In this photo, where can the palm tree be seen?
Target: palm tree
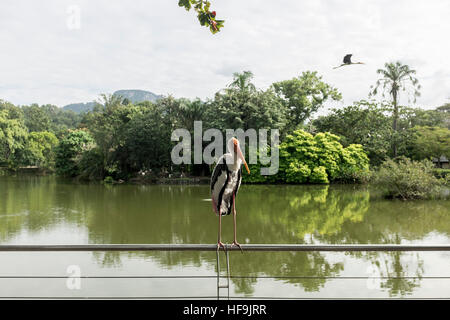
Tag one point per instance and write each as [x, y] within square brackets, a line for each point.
[395, 77]
[242, 81]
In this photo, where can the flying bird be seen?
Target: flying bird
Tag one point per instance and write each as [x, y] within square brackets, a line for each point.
[348, 61]
[225, 182]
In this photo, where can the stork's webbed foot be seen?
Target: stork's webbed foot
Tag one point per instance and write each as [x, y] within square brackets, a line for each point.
[235, 243]
[221, 245]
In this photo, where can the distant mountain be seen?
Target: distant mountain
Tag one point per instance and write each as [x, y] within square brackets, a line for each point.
[80, 107]
[134, 96]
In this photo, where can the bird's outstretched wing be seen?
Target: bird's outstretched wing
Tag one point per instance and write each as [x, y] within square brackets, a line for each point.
[348, 59]
[344, 64]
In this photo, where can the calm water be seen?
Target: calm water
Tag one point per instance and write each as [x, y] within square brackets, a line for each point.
[45, 210]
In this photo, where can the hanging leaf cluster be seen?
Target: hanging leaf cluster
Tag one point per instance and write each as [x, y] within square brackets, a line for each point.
[206, 17]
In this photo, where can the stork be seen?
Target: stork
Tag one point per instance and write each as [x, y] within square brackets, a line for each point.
[225, 182]
[348, 61]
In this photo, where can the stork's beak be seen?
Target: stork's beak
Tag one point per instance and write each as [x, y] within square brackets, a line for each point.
[240, 155]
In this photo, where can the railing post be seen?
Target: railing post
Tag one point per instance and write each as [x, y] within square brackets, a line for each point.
[219, 286]
[218, 274]
[228, 274]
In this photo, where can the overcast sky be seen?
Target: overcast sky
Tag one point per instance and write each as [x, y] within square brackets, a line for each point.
[155, 45]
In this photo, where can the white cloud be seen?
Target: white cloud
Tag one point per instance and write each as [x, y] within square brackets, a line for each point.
[157, 46]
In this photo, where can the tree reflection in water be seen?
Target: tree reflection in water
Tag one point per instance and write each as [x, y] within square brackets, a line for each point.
[267, 214]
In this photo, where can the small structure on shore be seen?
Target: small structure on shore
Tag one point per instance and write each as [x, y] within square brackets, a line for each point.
[441, 162]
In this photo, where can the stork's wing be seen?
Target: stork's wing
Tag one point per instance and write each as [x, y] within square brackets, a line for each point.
[239, 180]
[348, 59]
[340, 66]
[218, 170]
[218, 180]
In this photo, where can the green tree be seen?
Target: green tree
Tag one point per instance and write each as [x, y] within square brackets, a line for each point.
[70, 150]
[190, 111]
[170, 109]
[241, 105]
[444, 111]
[106, 124]
[430, 142]
[412, 117]
[407, 179]
[304, 95]
[242, 81]
[318, 159]
[36, 118]
[61, 120]
[362, 123]
[40, 149]
[13, 136]
[396, 77]
[147, 143]
[14, 112]
[305, 158]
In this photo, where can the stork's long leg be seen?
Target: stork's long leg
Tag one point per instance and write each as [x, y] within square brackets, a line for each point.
[219, 240]
[235, 243]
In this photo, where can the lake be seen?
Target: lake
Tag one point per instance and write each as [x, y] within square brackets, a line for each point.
[49, 210]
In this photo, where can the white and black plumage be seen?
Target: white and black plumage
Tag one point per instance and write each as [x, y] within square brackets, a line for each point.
[347, 61]
[225, 182]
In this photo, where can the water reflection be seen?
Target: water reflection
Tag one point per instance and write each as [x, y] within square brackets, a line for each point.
[266, 214]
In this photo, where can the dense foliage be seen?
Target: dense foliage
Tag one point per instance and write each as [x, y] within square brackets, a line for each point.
[422, 134]
[241, 105]
[363, 123]
[396, 77]
[13, 136]
[408, 179]
[29, 134]
[122, 140]
[303, 96]
[319, 159]
[40, 149]
[428, 142]
[71, 150]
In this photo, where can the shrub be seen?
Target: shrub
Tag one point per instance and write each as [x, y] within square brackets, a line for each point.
[319, 159]
[90, 165]
[441, 173]
[406, 179]
[108, 180]
[349, 174]
[40, 149]
[305, 158]
[70, 151]
[297, 172]
[319, 175]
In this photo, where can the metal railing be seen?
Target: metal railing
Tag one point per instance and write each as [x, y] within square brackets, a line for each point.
[213, 247]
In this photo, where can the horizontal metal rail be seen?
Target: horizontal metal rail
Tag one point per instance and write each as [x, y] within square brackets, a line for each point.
[213, 297]
[189, 277]
[213, 247]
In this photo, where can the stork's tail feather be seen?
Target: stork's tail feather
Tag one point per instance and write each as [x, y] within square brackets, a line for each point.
[214, 206]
